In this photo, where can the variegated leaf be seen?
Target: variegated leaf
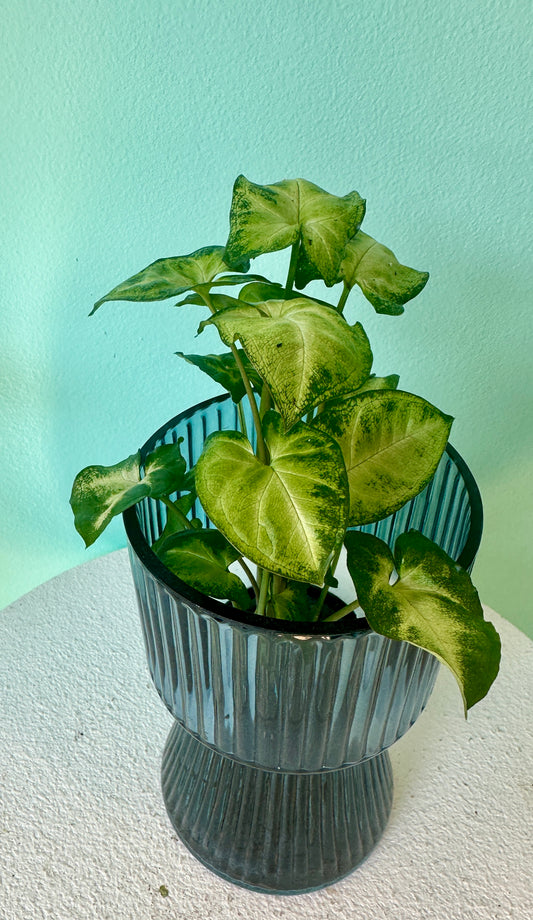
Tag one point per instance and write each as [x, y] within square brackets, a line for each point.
[101, 492]
[288, 516]
[172, 276]
[265, 218]
[432, 604]
[391, 442]
[303, 350]
[383, 280]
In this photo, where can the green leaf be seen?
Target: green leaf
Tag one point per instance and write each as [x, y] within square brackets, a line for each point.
[101, 492]
[171, 277]
[293, 603]
[174, 522]
[433, 605]
[383, 280]
[371, 383]
[304, 351]
[265, 218]
[258, 293]
[391, 442]
[193, 298]
[390, 382]
[231, 280]
[289, 516]
[201, 559]
[224, 371]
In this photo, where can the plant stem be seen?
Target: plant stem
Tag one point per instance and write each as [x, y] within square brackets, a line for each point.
[175, 510]
[242, 418]
[325, 589]
[263, 593]
[292, 266]
[250, 575]
[266, 401]
[339, 614]
[262, 453]
[343, 298]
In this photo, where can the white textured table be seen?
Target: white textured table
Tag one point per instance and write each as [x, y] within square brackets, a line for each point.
[83, 829]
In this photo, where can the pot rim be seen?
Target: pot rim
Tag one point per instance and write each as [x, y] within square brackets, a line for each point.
[204, 603]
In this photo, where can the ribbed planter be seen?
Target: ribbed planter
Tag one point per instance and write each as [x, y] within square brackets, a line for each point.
[276, 774]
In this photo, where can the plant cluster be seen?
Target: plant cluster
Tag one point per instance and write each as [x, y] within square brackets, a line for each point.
[333, 447]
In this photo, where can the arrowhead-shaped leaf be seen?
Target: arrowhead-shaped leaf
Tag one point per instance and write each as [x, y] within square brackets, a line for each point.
[265, 218]
[171, 277]
[288, 516]
[391, 442]
[433, 605]
[201, 559]
[101, 492]
[383, 280]
[304, 351]
[223, 369]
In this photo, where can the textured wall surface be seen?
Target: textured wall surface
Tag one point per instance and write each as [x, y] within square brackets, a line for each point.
[124, 127]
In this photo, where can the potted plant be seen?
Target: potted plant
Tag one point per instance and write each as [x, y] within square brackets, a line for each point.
[287, 691]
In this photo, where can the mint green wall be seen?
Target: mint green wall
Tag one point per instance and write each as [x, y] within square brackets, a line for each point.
[124, 126]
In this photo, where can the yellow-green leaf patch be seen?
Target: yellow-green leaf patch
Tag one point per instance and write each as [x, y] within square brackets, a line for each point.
[383, 280]
[392, 442]
[432, 604]
[303, 350]
[171, 276]
[265, 218]
[101, 492]
[288, 516]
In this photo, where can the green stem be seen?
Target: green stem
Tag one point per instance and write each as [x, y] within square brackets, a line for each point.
[262, 453]
[250, 575]
[242, 418]
[266, 401]
[343, 298]
[325, 589]
[174, 508]
[292, 266]
[263, 593]
[339, 614]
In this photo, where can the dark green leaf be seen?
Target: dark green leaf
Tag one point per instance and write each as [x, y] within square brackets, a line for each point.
[293, 603]
[223, 369]
[383, 280]
[230, 280]
[289, 516]
[433, 605]
[174, 522]
[101, 492]
[391, 442]
[304, 351]
[201, 559]
[265, 218]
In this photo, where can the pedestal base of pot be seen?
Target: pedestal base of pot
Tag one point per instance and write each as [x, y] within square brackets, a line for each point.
[284, 833]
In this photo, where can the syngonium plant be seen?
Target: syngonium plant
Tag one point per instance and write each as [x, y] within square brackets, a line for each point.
[333, 446]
